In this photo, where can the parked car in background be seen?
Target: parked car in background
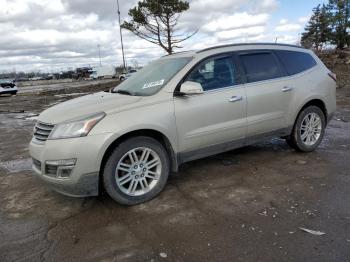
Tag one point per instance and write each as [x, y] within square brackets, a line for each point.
[7, 86]
[102, 72]
[122, 77]
[37, 78]
[179, 108]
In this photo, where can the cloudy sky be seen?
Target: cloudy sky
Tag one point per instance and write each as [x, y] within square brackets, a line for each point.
[49, 35]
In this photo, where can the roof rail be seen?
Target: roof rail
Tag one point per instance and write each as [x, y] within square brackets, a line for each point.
[245, 44]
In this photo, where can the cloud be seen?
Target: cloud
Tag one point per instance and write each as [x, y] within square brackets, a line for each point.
[265, 5]
[56, 34]
[283, 21]
[28, 12]
[210, 7]
[304, 19]
[241, 33]
[236, 21]
[288, 27]
[105, 9]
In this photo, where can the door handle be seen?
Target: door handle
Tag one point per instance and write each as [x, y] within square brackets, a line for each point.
[287, 89]
[235, 98]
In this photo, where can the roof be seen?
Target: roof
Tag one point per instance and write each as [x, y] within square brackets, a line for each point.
[246, 44]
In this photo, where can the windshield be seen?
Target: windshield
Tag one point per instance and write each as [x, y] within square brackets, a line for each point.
[150, 79]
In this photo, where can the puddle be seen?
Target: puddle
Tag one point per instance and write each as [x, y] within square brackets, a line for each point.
[55, 103]
[15, 166]
[32, 117]
[277, 144]
[73, 94]
[25, 116]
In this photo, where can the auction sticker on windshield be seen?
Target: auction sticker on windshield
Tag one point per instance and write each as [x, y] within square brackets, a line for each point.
[153, 84]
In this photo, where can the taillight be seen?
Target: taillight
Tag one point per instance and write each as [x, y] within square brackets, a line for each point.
[333, 76]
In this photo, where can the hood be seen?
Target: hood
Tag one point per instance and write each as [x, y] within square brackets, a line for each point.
[87, 105]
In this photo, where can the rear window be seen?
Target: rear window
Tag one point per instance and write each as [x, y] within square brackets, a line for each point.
[260, 66]
[295, 62]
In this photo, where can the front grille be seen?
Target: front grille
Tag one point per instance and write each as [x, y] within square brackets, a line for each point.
[42, 131]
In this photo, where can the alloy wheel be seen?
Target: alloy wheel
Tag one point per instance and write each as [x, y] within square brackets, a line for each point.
[310, 129]
[138, 171]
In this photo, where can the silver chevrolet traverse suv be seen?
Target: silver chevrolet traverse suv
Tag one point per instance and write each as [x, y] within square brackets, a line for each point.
[179, 108]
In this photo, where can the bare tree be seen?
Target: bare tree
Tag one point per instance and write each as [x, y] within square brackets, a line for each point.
[157, 22]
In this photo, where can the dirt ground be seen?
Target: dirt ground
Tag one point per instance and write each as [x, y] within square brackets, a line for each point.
[244, 205]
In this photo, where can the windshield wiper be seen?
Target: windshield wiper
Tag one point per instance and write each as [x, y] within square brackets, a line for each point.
[123, 92]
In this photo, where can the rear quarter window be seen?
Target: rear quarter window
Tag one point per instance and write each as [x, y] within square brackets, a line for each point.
[295, 62]
[260, 66]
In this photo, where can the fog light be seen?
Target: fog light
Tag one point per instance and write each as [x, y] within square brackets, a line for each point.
[60, 168]
[64, 171]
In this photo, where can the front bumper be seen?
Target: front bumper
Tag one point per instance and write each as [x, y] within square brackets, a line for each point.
[84, 177]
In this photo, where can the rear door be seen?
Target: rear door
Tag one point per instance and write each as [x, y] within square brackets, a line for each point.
[208, 121]
[268, 92]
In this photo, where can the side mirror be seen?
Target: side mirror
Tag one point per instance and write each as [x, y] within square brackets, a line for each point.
[191, 88]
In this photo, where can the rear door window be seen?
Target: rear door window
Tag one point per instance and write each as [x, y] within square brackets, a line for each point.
[259, 66]
[295, 62]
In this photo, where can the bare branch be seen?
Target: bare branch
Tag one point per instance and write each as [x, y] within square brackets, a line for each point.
[184, 39]
[156, 22]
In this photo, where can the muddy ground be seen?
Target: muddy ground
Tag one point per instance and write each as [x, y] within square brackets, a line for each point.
[244, 205]
[46, 87]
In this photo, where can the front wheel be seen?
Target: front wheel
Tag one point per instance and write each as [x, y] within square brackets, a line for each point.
[136, 171]
[308, 130]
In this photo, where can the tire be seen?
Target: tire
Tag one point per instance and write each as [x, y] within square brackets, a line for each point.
[299, 138]
[122, 78]
[119, 167]
[14, 93]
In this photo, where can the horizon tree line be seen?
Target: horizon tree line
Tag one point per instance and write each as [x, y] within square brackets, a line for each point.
[329, 25]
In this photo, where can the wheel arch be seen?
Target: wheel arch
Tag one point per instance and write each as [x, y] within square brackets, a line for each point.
[159, 136]
[313, 102]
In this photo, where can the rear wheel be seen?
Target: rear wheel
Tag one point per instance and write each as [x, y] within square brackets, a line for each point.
[136, 171]
[308, 130]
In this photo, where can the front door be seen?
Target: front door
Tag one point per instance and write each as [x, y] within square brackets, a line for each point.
[209, 122]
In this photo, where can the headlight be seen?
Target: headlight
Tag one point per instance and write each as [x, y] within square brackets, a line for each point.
[76, 128]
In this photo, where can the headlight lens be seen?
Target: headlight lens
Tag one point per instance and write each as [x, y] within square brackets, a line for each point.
[77, 128]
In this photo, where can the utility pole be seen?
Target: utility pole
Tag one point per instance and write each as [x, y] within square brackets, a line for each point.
[121, 37]
[99, 53]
